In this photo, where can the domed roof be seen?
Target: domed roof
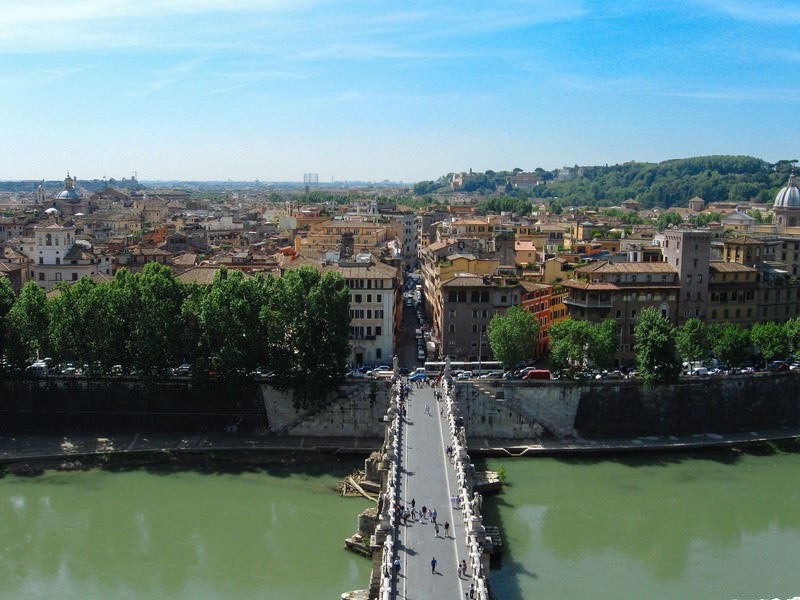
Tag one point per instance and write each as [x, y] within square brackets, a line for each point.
[69, 193]
[789, 196]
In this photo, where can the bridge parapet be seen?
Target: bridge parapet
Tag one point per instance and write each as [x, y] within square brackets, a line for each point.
[385, 536]
[468, 502]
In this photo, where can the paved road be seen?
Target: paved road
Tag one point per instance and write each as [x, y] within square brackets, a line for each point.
[429, 479]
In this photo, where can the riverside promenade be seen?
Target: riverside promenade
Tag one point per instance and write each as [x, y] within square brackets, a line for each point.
[430, 478]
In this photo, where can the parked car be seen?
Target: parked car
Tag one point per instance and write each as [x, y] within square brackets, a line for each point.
[418, 376]
[491, 375]
[183, 369]
[382, 374]
[699, 372]
[536, 374]
[38, 369]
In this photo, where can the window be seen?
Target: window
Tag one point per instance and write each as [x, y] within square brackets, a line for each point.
[41, 276]
[358, 299]
[377, 353]
[452, 328]
[378, 298]
[378, 330]
[369, 297]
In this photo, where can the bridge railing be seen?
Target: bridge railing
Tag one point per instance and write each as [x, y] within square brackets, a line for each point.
[468, 502]
[391, 496]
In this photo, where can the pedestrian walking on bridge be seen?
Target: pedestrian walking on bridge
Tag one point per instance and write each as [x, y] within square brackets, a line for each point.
[433, 565]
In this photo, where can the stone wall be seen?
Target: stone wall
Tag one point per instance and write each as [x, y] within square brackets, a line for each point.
[491, 409]
[125, 405]
[357, 410]
[625, 409]
[53, 405]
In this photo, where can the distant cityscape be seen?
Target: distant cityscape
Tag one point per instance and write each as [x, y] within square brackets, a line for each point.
[731, 262]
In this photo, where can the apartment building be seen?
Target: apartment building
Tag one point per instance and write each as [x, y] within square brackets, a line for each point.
[619, 291]
[468, 304]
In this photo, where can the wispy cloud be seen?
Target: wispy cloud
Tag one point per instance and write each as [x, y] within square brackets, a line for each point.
[764, 12]
[57, 25]
[650, 87]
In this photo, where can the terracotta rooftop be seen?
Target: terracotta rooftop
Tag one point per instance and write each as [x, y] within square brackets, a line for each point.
[730, 267]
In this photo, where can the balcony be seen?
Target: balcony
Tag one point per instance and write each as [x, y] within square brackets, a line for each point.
[591, 302]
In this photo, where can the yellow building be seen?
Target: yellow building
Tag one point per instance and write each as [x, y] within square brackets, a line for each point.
[326, 236]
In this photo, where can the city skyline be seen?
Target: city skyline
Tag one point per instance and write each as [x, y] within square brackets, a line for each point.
[273, 89]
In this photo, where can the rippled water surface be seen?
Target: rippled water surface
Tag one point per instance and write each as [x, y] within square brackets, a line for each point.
[722, 525]
[185, 535]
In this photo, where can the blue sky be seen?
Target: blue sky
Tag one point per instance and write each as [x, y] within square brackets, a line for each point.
[374, 90]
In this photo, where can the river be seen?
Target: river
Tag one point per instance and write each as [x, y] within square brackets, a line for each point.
[712, 525]
[182, 535]
[720, 525]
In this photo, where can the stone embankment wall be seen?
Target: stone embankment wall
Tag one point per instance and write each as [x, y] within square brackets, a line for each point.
[625, 409]
[490, 409]
[357, 410]
[53, 405]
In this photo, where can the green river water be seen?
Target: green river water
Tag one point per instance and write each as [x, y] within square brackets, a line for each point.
[183, 535]
[706, 526]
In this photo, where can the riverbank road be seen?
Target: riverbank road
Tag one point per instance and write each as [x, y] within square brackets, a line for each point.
[428, 479]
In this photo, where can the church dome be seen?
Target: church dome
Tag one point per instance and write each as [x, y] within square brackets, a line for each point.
[69, 193]
[789, 196]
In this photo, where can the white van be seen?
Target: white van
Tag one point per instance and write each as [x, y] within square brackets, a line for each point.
[382, 374]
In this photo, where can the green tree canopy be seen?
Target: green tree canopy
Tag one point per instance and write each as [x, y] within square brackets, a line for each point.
[793, 333]
[7, 298]
[691, 340]
[656, 355]
[729, 342]
[513, 336]
[309, 314]
[27, 324]
[603, 343]
[231, 342]
[577, 344]
[770, 339]
[569, 346]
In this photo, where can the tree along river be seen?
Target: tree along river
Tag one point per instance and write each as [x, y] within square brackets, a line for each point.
[712, 525]
[709, 525]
